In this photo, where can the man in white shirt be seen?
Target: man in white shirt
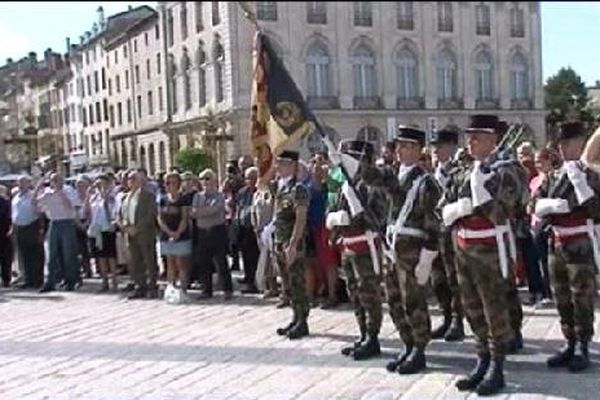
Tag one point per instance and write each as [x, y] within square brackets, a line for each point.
[57, 202]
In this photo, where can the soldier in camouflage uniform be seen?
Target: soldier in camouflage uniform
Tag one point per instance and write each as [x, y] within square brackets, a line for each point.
[443, 274]
[479, 210]
[413, 240]
[289, 216]
[570, 202]
[356, 235]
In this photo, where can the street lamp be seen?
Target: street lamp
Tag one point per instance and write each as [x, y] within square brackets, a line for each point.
[214, 135]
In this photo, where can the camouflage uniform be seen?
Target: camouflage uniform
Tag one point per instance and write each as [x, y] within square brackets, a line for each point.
[287, 199]
[572, 266]
[406, 298]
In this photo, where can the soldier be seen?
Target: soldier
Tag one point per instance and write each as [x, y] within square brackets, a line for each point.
[443, 274]
[479, 213]
[412, 238]
[290, 213]
[570, 203]
[355, 233]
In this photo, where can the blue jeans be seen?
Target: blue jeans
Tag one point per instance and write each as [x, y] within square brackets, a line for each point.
[62, 249]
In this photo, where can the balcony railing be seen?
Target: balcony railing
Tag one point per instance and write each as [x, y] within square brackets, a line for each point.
[414, 103]
[363, 20]
[406, 23]
[486, 104]
[521, 104]
[450, 104]
[517, 31]
[316, 17]
[323, 102]
[367, 103]
[445, 25]
[483, 30]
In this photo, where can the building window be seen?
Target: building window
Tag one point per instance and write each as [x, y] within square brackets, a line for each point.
[105, 108]
[96, 82]
[126, 79]
[158, 67]
[445, 21]
[518, 78]
[363, 13]
[112, 116]
[216, 17]
[84, 115]
[98, 112]
[91, 113]
[124, 51]
[162, 157]
[143, 163]
[407, 74]
[446, 76]
[317, 70]
[484, 76]
[119, 114]
[135, 45]
[198, 16]
[170, 32]
[116, 57]
[132, 150]
[405, 15]
[137, 74]
[110, 87]
[186, 69]
[147, 68]
[87, 58]
[219, 56]
[316, 12]
[129, 114]
[266, 10]
[160, 98]
[482, 19]
[183, 19]
[363, 67]
[517, 22]
[89, 85]
[151, 159]
[107, 61]
[201, 64]
[118, 83]
[139, 107]
[150, 105]
[172, 71]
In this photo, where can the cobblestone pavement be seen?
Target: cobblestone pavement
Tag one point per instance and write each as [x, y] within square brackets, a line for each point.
[87, 346]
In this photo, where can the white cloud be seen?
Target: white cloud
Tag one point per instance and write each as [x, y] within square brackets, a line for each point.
[14, 44]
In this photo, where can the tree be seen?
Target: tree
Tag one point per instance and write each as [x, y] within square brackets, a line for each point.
[193, 159]
[566, 97]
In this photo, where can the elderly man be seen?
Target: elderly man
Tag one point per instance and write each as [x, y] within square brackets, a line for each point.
[138, 220]
[208, 209]
[26, 233]
[57, 202]
[247, 236]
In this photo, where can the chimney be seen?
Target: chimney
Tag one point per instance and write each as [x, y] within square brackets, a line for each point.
[88, 35]
[130, 8]
[101, 20]
[9, 61]
[68, 42]
[95, 29]
[32, 57]
[81, 40]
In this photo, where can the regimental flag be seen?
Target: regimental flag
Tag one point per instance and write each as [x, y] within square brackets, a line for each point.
[280, 118]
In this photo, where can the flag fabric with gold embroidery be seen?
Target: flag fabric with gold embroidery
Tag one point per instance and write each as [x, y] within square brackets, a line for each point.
[280, 118]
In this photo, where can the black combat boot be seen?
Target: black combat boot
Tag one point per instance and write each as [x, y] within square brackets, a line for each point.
[456, 332]
[299, 330]
[515, 344]
[493, 380]
[581, 358]
[369, 348]
[392, 366]
[348, 350]
[476, 375]
[415, 362]
[563, 357]
[284, 331]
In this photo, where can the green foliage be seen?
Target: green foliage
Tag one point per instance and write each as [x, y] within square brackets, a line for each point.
[193, 159]
[560, 90]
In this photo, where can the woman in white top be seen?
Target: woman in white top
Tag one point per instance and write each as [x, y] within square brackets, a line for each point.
[102, 208]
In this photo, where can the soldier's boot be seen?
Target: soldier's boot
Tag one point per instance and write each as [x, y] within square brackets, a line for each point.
[476, 375]
[414, 363]
[515, 344]
[493, 380]
[299, 330]
[369, 348]
[441, 330]
[456, 332]
[284, 331]
[348, 350]
[563, 357]
[392, 366]
[581, 358]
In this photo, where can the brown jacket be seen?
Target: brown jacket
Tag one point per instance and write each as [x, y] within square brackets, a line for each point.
[145, 216]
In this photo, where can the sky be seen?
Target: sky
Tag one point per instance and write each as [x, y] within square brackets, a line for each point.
[570, 31]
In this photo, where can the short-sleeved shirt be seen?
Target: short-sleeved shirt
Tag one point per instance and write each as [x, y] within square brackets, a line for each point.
[171, 212]
[287, 199]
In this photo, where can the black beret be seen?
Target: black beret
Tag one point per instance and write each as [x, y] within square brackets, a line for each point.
[288, 155]
[408, 134]
[484, 123]
[570, 130]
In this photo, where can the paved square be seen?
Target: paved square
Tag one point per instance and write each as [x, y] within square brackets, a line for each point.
[87, 346]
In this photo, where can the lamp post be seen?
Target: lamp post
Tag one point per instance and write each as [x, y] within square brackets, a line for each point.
[214, 135]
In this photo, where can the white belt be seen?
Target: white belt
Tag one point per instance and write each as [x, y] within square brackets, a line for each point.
[498, 233]
[369, 237]
[593, 232]
[394, 231]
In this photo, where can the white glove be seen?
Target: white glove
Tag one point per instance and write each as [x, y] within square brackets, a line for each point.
[337, 218]
[478, 179]
[423, 268]
[544, 207]
[454, 211]
[578, 179]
